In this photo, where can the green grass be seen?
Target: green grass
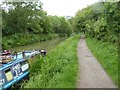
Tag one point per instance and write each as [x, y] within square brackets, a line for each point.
[58, 69]
[107, 55]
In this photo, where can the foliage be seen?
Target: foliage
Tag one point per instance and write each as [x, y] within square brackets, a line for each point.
[60, 25]
[52, 71]
[26, 22]
[107, 55]
[18, 39]
[100, 21]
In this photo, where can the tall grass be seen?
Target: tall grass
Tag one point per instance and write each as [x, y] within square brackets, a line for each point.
[58, 69]
[107, 55]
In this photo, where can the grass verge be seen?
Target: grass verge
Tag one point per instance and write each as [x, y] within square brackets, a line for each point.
[107, 55]
[58, 69]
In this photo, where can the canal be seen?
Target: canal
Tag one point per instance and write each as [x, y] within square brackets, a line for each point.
[47, 45]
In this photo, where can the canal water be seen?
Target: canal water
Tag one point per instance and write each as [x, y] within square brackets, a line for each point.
[47, 45]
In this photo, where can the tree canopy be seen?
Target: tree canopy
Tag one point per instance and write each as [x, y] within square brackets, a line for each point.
[100, 20]
[28, 19]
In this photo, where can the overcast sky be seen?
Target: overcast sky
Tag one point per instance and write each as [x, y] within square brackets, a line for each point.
[65, 7]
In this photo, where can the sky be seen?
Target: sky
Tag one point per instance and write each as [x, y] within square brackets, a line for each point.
[65, 7]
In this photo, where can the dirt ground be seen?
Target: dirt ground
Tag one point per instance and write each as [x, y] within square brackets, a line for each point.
[91, 73]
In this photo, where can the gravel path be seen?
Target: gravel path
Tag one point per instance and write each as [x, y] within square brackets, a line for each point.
[91, 73]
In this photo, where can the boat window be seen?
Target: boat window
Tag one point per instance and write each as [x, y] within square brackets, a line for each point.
[8, 74]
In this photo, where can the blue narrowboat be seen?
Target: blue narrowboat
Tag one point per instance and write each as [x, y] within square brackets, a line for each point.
[14, 70]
